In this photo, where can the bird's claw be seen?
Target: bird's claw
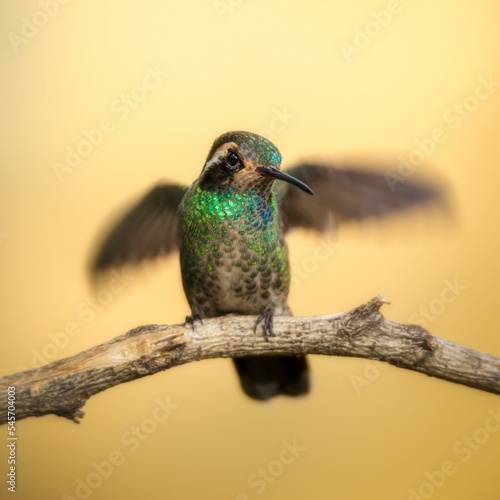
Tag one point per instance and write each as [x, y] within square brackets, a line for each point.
[190, 320]
[267, 320]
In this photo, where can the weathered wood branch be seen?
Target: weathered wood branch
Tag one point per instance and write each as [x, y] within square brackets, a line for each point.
[63, 387]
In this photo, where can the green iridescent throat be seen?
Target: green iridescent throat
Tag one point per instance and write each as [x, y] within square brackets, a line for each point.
[224, 216]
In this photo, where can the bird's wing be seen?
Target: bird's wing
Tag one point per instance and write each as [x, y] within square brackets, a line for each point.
[349, 194]
[147, 230]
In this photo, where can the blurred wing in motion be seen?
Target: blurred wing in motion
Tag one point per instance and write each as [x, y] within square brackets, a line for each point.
[149, 229]
[345, 194]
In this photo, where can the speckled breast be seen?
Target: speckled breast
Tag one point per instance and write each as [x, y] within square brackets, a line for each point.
[233, 256]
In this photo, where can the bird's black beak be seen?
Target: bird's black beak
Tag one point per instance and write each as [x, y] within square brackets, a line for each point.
[282, 176]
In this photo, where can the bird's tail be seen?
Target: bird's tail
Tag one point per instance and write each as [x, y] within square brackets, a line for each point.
[263, 377]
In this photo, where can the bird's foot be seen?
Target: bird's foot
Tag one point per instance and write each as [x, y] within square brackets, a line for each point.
[267, 319]
[190, 320]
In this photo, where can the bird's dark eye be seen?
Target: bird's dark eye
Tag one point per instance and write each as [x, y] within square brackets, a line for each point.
[233, 160]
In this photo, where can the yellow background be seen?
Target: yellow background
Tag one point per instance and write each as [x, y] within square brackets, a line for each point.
[230, 68]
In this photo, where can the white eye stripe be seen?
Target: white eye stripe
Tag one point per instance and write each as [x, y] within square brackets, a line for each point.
[215, 158]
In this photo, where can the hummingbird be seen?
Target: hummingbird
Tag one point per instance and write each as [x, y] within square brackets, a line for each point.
[229, 227]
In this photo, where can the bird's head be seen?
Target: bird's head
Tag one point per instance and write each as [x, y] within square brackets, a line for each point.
[243, 160]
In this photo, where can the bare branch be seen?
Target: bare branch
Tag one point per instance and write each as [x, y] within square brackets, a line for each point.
[63, 387]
